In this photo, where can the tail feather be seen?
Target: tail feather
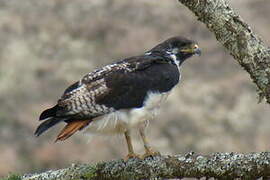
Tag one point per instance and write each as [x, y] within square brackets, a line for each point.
[71, 128]
[48, 113]
[47, 124]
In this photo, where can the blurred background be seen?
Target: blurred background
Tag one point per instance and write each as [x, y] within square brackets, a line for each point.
[47, 45]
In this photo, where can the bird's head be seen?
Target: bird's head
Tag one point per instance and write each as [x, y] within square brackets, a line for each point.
[178, 49]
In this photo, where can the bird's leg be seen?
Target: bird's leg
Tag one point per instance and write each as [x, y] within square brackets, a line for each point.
[148, 149]
[131, 153]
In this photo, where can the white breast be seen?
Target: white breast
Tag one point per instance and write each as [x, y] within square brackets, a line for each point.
[119, 121]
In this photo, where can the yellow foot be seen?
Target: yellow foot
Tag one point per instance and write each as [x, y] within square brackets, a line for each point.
[150, 153]
[132, 155]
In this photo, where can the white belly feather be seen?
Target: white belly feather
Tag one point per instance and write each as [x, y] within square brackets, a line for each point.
[120, 121]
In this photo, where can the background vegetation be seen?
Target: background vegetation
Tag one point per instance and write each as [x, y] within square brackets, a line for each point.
[47, 45]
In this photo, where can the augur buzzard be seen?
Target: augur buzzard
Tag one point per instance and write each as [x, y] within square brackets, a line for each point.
[122, 95]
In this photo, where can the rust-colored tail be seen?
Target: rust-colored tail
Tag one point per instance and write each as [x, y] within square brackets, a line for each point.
[71, 128]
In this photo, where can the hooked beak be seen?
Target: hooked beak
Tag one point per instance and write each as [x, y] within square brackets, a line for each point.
[198, 51]
[193, 50]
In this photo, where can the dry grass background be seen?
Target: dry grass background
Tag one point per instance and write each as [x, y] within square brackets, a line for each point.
[46, 45]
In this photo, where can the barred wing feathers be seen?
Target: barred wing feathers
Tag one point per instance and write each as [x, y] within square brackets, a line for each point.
[120, 81]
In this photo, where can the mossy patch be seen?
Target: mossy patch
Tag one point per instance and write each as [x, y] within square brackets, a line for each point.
[12, 177]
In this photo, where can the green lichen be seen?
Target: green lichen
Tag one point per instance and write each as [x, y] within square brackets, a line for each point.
[12, 177]
[262, 77]
[90, 172]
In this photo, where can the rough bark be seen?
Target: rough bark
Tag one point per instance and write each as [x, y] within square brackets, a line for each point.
[238, 38]
[217, 165]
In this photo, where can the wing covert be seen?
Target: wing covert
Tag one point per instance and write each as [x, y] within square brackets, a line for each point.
[118, 86]
[129, 89]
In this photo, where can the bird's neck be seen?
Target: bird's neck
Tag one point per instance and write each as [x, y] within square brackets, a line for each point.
[174, 59]
[168, 57]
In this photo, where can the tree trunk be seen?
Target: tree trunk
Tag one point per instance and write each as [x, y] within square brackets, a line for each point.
[238, 38]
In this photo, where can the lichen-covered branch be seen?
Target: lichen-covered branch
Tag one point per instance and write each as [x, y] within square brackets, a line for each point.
[237, 37]
[218, 165]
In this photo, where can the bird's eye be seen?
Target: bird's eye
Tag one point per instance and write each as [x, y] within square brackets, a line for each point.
[175, 50]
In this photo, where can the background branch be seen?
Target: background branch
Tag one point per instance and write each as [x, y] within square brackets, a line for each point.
[218, 165]
[237, 37]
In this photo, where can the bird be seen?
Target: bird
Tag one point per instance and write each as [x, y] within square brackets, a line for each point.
[121, 96]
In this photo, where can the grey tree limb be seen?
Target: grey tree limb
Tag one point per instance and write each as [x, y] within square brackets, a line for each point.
[217, 165]
[237, 37]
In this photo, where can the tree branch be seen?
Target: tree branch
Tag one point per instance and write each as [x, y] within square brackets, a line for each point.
[238, 38]
[218, 165]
